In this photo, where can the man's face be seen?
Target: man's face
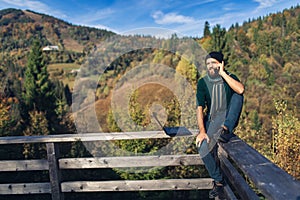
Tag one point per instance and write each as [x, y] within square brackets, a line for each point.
[213, 67]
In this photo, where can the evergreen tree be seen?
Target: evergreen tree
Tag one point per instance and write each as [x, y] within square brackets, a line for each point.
[111, 123]
[260, 24]
[218, 38]
[68, 95]
[60, 99]
[283, 26]
[39, 93]
[243, 39]
[256, 124]
[206, 29]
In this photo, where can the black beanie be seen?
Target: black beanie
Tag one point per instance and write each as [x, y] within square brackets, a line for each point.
[216, 55]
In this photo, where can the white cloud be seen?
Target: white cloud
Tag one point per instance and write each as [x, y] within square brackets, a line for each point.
[171, 18]
[196, 3]
[92, 17]
[229, 7]
[102, 14]
[266, 3]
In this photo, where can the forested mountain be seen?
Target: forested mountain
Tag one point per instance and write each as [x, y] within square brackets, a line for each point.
[19, 30]
[263, 52]
[20, 27]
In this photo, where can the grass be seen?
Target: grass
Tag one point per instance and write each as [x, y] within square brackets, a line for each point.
[61, 72]
[67, 67]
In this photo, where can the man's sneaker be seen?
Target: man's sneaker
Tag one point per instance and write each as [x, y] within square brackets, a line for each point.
[217, 189]
[224, 136]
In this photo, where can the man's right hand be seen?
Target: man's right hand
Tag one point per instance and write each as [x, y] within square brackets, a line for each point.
[200, 137]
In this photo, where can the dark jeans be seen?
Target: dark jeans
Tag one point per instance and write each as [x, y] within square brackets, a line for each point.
[229, 118]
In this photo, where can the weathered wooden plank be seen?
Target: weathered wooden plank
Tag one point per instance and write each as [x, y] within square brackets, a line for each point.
[228, 193]
[54, 172]
[272, 181]
[236, 180]
[23, 165]
[25, 188]
[85, 137]
[130, 161]
[137, 185]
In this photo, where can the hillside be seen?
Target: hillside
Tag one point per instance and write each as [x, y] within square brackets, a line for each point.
[20, 27]
[262, 52]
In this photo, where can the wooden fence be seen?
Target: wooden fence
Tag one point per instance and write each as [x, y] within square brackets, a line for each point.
[238, 161]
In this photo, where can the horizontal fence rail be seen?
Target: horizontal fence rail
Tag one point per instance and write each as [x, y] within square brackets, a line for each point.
[23, 165]
[88, 137]
[130, 161]
[137, 185]
[25, 188]
[237, 159]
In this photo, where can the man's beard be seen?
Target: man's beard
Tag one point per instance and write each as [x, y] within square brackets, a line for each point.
[215, 75]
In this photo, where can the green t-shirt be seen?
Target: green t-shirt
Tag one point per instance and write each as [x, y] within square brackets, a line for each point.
[205, 88]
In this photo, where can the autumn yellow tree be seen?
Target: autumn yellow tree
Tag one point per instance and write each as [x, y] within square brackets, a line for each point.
[4, 114]
[286, 140]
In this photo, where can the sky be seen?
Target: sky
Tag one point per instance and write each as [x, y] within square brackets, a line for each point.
[184, 17]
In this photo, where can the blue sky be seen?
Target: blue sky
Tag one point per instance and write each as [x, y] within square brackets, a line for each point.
[186, 17]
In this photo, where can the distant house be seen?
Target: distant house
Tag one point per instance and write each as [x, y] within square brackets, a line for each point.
[50, 48]
[75, 71]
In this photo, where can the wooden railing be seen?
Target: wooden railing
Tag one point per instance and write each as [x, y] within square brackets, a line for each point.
[238, 160]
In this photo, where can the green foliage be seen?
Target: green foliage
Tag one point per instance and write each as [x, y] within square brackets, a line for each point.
[218, 38]
[140, 174]
[174, 113]
[243, 40]
[38, 88]
[112, 124]
[78, 150]
[256, 124]
[206, 31]
[61, 104]
[38, 125]
[137, 113]
[42, 94]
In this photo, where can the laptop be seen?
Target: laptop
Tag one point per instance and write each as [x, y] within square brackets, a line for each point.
[173, 131]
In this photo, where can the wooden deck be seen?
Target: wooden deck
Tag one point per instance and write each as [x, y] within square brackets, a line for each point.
[237, 159]
[268, 178]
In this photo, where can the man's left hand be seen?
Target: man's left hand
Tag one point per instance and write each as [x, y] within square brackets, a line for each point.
[221, 68]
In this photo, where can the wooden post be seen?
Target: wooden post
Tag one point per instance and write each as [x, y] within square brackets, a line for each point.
[54, 172]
